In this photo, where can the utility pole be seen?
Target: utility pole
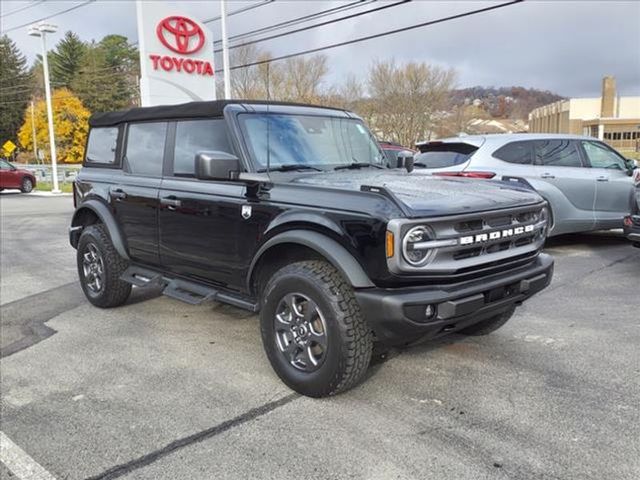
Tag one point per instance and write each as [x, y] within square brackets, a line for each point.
[225, 49]
[40, 30]
[33, 132]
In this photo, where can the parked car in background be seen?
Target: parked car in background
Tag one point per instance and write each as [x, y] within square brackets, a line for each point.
[587, 183]
[392, 150]
[13, 177]
[632, 222]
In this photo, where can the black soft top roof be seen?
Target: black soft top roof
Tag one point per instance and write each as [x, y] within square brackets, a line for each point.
[183, 110]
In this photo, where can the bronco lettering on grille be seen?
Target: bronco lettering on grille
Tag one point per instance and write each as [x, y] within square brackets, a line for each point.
[496, 235]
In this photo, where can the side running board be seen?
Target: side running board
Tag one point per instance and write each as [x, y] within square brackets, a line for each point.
[187, 291]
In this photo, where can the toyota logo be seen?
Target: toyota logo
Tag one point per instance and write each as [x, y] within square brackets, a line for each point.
[180, 34]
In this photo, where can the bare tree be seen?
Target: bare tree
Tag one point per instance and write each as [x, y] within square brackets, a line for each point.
[303, 78]
[295, 79]
[408, 101]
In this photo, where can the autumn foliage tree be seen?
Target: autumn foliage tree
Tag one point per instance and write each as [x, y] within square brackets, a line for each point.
[70, 127]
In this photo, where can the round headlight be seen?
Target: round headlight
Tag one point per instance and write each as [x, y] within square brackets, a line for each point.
[411, 250]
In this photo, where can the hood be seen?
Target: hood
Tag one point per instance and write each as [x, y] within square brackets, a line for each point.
[424, 195]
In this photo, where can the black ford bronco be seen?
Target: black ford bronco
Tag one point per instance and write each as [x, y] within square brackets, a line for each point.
[290, 211]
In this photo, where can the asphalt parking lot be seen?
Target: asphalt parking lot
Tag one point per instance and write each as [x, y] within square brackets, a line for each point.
[161, 389]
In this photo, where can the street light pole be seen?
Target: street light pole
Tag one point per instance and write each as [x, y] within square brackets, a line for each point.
[33, 132]
[40, 30]
[225, 49]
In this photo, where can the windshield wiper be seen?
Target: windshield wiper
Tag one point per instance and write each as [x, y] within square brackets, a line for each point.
[358, 165]
[290, 167]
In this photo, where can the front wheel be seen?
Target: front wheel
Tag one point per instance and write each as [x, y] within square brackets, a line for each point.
[313, 331]
[489, 325]
[100, 267]
[27, 185]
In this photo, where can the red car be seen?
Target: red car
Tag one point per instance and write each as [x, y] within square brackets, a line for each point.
[392, 149]
[12, 177]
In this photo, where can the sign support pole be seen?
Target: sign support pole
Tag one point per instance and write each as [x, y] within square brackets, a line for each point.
[225, 49]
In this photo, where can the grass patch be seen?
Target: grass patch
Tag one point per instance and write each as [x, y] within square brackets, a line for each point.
[46, 187]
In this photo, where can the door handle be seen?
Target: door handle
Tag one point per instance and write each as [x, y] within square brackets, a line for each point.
[171, 202]
[118, 194]
[547, 175]
[602, 179]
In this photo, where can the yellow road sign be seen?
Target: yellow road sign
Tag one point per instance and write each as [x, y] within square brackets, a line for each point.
[9, 147]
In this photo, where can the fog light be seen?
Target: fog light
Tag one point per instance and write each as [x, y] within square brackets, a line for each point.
[430, 312]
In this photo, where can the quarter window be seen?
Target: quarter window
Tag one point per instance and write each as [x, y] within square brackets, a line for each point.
[601, 156]
[145, 148]
[195, 136]
[515, 152]
[102, 145]
[557, 153]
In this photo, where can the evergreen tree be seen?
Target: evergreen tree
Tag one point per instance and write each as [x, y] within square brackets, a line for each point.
[15, 89]
[108, 75]
[65, 60]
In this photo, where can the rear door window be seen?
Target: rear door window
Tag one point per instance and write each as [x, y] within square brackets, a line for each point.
[193, 136]
[557, 153]
[440, 155]
[102, 146]
[145, 148]
[515, 152]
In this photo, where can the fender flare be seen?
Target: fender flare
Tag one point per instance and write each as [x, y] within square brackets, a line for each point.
[335, 253]
[107, 218]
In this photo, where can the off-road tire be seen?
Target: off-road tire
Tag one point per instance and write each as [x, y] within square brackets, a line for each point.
[349, 339]
[489, 325]
[26, 186]
[114, 292]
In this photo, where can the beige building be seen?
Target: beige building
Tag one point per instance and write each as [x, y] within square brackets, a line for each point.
[611, 118]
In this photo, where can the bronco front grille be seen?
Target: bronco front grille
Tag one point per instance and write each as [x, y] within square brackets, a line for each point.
[473, 242]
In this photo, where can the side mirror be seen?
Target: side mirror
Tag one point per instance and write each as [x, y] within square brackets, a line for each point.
[631, 165]
[216, 166]
[405, 159]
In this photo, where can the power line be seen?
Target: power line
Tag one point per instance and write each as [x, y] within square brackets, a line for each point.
[316, 25]
[239, 10]
[298, 20]
[377, 35]
[75, 7]
[31, 4]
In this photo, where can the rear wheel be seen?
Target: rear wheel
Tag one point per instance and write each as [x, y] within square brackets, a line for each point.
[489, 325]
[27, 185]
[313, 331]
[100, 267]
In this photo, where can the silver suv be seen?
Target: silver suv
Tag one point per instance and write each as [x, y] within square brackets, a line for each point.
[587, 183]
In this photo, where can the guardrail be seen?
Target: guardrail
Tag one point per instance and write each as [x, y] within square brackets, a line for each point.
[66, 173]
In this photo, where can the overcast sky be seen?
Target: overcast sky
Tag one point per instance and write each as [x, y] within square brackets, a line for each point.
[562, 46]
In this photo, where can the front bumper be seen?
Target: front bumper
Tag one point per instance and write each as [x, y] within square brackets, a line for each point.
[632, 229]
[397, 316]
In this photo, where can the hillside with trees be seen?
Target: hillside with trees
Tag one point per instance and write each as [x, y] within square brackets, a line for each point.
[504, 102]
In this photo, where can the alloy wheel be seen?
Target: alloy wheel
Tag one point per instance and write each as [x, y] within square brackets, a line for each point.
[301, 332]
[93, 268]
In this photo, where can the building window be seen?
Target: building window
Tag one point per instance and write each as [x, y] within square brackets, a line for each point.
[607, 135]
[626, 135]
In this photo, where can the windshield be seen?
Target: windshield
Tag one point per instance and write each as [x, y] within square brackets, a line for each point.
[308, 141]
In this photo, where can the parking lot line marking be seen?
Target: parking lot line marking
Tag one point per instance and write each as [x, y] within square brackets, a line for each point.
[148, 459]
[22, 465]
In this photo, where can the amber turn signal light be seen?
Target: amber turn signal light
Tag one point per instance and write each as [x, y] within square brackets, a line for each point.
[390, 244]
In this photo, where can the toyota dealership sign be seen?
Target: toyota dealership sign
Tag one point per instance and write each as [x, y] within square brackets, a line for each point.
[176, 56]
